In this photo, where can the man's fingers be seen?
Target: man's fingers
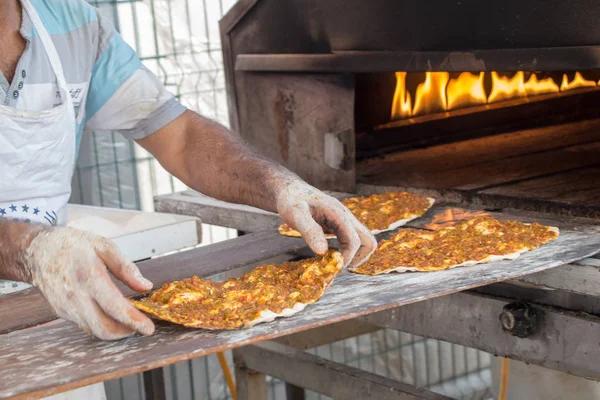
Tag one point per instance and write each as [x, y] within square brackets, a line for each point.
[120, 267]
[102, 325]
[368, 244]
[114, 304]
[340, 223]
[302, 220]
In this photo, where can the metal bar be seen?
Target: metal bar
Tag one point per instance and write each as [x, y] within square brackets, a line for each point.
[293, 392]
[324, 376]
[540, 59]
[565, 342]
[154, 384]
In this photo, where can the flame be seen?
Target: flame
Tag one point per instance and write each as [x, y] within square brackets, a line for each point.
[452, 216]
[402, 105]
[577, 82]
[504, 88]
[534, 86]
[439, 93]
[431, 94]
[465, 91]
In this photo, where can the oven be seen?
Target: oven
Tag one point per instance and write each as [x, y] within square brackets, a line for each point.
[492, 103]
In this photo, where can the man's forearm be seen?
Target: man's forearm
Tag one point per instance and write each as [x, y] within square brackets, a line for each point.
[15, 238]
[214, 161]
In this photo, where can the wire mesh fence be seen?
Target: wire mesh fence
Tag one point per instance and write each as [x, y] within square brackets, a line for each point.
[179, 41]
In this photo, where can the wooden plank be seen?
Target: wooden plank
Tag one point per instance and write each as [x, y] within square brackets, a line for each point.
[327, 334]
[521, 168]
[557, 299]
[57, 356]
[566, 341]
[221, 213]
[483, 162]
[576, 278]
[28, 308]
[216, 212]
[326, 377]
[573, 278]
[573, 192]
[250, 385]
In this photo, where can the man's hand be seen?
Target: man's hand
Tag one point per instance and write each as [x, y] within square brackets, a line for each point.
[209, 158]
[70, 268]
[304, 208]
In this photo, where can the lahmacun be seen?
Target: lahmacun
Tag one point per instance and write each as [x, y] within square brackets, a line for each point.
[261, 295]
[379, 212]
[475, 241]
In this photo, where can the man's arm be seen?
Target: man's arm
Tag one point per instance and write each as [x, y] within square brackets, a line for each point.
[15, 239]
[209, 158]
[70, 268]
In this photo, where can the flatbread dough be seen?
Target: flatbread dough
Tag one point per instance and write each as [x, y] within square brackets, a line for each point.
[379, 212]
[475, 241]
[261, 295]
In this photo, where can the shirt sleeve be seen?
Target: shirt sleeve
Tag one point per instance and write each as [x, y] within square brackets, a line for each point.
[123, 95]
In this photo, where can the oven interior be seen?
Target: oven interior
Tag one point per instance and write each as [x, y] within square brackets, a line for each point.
[518, 139]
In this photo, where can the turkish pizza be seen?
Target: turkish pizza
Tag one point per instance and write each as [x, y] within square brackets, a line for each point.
[261, 295]
[475, 241]
[379, 212]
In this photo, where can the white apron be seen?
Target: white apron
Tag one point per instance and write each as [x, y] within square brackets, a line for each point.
[37, 160]
[37, 153]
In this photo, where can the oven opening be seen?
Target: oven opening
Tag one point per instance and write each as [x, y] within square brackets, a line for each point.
[508, 138]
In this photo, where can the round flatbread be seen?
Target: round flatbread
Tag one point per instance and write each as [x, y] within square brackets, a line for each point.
[261, 295]
[380, 212]
[475, 241]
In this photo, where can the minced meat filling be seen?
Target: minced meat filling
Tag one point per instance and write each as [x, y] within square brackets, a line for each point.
[378, 211]
[231, 304]
[472, 240]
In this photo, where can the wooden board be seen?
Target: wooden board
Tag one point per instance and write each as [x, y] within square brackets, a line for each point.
[217, 212]
[583, 279]
[575, 190]
[566, 341]
[221, 213]
[57, 356]
[334, 380]
[479, 163]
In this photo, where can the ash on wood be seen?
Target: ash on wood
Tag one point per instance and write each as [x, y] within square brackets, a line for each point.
[57, 356]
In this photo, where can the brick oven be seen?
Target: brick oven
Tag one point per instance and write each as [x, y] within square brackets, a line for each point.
[494, 103]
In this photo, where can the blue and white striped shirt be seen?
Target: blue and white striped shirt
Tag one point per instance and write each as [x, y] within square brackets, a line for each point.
[106, 79]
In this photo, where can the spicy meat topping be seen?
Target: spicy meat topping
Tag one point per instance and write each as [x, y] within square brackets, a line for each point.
[233, 303]
[472, 240]
[378, 211]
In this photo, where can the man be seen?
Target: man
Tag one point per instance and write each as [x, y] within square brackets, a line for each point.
[64, 71]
